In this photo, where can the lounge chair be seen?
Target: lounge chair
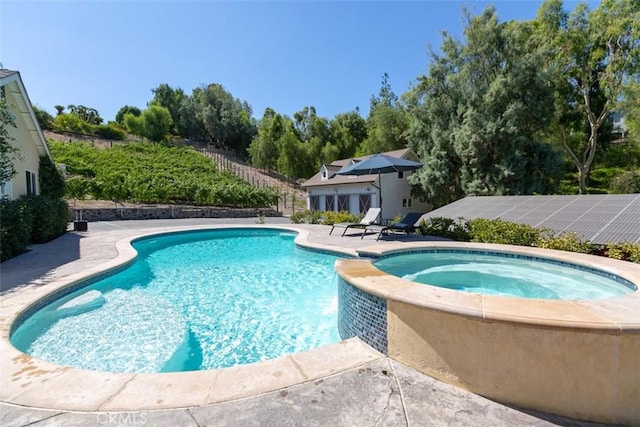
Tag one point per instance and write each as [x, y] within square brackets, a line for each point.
[370, 218]
[407, 225]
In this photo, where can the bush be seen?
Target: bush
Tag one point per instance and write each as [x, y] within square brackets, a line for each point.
[32, 219]
[331, 218]
[624, 251]
[15, 227]
[111, 130]
[299, 217]
[49, 216]
[626, 183]
[309, 217]
[504, 232]
[455, 229]
[72, 123]
[570, 242]
[50, 179]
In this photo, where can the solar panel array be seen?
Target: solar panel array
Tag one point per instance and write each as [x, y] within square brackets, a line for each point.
[599, 218]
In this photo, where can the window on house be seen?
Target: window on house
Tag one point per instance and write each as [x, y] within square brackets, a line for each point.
[365, 202]
[407, 203]
[329, 203]
[400, 175]
[5, 189]
[31, 183]
[343, 202]
[314, 203]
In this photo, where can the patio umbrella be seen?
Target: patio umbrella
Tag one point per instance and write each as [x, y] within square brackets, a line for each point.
[379, 164]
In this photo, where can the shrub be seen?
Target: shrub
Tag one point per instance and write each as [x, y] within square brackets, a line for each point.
[50, 179]
[331, 218]
[505, 232]
[570, 242]
[299, 217]
[455, 229]
[15, 227]
[624, 251]
[72, 123]
[111, 130]
[626, 183]
[49, 218]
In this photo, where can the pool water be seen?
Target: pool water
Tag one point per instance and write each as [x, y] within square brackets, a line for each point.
[495, 274]
[191, 301]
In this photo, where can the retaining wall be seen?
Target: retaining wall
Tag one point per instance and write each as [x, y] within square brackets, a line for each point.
[166, 212]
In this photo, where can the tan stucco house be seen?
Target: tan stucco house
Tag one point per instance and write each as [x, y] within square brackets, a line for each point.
[27, 137]
[327, 191]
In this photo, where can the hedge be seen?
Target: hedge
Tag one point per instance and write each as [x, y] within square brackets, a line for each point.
[33, 219]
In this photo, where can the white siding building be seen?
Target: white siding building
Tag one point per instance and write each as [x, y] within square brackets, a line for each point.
[27, 137]
[327, 191]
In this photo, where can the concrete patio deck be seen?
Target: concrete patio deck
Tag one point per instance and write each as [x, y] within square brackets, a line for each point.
[347, 384]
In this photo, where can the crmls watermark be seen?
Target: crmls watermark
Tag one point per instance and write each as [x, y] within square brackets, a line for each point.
[120, 418]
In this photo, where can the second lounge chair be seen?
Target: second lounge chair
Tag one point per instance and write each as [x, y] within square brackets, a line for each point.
[407, 225]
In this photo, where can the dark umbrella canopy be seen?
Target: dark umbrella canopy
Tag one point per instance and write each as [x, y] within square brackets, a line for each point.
[379, 164]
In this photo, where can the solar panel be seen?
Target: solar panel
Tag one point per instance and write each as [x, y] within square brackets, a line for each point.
[602, 217]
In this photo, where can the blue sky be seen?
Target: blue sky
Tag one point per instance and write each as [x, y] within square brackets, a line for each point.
[283, 55]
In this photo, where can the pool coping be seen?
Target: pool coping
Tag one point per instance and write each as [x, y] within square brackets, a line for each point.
[32, 382]
[607, 315]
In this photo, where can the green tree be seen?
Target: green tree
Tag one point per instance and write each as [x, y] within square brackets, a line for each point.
[127, 109]
[8, 152]
[313, 132]
[630, 106]
[478, 118]
[592, 55]
[45, 120]
[171, 99]
[157, 122]
[226, 120]
[86, 114]
[59, 109]
[347, 131]
[72, 123]
[263, 150]
[154, 123]
[386, 123]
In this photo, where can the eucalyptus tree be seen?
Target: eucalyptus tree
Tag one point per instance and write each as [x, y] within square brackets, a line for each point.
[593, 54]
[478, 117]
[386, 123]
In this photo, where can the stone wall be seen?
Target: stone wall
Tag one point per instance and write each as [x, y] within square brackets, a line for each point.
[166, 212]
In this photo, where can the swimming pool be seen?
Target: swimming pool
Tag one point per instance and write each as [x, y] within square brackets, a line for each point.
[494, 273]
[192, 301]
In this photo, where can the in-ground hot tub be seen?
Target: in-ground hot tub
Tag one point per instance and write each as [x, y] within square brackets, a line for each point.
[577, 358]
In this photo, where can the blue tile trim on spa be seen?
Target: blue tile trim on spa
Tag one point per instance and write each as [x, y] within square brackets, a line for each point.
[362, 315]
[566, 264]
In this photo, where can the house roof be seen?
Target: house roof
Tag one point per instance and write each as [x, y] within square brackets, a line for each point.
[12, 82]
[317, 181]
[599, 218]
[6, 73]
